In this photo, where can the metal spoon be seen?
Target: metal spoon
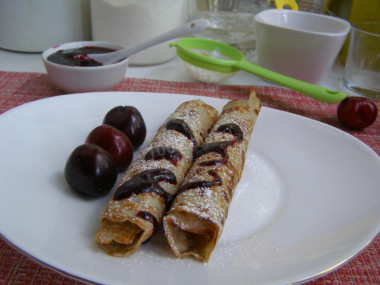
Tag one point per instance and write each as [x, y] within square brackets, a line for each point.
[189, 28]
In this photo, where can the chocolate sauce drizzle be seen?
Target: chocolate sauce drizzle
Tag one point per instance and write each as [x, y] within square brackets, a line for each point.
[167, 153]
[150, 218]
[147, 182]
[231, 128]
[182, 127]
[218, 147]
[202, 184]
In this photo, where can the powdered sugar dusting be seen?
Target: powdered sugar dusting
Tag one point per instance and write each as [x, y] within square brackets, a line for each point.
[209, 187]
[199, 117]
[257, 199]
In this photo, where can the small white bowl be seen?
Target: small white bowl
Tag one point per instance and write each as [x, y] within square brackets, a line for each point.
[78, 79]
[301, 45]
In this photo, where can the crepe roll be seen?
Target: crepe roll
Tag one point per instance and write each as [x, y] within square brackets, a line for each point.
[148, 187]
[195, 221]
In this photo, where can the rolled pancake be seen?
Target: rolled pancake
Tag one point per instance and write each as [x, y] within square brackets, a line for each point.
[197, 216]
[139, 202]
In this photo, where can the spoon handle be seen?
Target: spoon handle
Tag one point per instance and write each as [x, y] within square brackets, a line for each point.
[314, 91]
[188, 28]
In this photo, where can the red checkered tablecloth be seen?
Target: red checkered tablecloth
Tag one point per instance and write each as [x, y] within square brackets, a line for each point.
[20, 88]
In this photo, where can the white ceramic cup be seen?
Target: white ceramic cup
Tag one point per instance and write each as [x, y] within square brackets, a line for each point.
[299, 44]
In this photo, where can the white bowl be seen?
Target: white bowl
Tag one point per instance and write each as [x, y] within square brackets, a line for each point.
[77, 79]
[299, 44]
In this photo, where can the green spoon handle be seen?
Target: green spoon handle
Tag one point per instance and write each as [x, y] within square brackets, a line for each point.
[317, 92]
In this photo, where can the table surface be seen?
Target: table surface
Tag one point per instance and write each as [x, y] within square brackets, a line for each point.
[16, 268]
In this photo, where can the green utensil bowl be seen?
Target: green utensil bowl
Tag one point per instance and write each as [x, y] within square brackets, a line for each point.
[220, 57]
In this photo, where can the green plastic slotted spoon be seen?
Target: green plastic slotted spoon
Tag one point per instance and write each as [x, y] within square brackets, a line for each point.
[196, 51]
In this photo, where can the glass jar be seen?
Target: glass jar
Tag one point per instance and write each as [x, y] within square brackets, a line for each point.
[232, 21]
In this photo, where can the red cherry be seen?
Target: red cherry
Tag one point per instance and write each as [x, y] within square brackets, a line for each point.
[90, 170]
[115, 142]
[357, 112]
[128, 120]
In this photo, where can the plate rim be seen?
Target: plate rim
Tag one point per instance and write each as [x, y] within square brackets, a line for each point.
[70, 275]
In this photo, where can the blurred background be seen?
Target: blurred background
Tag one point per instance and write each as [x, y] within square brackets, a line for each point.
[35, 25]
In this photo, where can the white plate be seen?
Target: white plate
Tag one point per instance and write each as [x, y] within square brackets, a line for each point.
[308, 201]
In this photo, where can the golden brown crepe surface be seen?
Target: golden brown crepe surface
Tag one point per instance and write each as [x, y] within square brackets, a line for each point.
[196, 219]
[131, 216]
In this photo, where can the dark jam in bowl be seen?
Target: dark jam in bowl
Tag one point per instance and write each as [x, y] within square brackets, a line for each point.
[78, 56]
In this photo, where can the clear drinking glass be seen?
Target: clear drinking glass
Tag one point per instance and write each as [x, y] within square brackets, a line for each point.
[231, 21]
[362, 70]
